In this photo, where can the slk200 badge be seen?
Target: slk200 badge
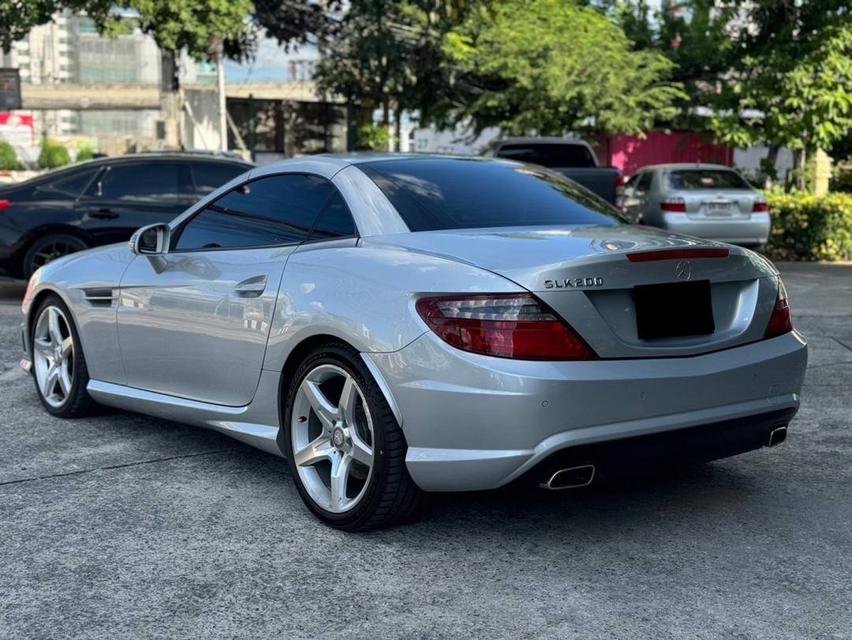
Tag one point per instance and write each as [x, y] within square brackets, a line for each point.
[573, 283]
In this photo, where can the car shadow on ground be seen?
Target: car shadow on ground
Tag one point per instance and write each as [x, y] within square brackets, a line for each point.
[631, 501]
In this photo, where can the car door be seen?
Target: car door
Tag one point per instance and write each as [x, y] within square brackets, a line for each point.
[635, 196]
[641, 196]
[129, 195]
[194, 322]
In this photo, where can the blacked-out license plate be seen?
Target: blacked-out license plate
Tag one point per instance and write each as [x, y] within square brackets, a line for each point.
[673, 310]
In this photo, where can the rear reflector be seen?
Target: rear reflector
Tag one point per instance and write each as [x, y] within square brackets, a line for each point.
[504, 325]
[781, 321]
[678, 254]
[673, 205]
[4, 204]
[760, 207]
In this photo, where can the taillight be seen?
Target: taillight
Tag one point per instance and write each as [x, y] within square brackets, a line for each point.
[514, 325]
[673, 205]
[760, 207]
[780, 322]
[4, 204]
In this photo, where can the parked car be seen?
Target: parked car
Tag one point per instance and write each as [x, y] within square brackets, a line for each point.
[100, 202]
[395, 324]
[574, 159]
[703, 200]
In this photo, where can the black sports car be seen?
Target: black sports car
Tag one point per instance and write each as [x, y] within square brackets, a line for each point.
[101, 202]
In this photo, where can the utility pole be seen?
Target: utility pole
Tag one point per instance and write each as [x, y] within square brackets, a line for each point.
[217, 46]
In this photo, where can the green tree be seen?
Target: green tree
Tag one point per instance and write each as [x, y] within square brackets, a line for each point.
[174, 25]
[695, 35]
[388, 55]
[554, 66]
[793, 85]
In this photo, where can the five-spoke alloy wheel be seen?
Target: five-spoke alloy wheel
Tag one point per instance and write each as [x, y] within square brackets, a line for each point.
[344, 446]
[58, 365]
[332, 437]
[53, 356]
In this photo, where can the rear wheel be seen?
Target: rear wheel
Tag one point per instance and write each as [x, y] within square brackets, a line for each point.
[49, 248]
[345, 449]
[59, 368]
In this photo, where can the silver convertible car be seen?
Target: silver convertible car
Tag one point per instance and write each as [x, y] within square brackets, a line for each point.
[397, 325]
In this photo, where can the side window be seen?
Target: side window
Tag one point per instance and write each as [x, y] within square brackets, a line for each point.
[644, 183]
[335, 220]
[634, 180]
[70, 186]
[143, 183]
[277, 210]
[209, 176]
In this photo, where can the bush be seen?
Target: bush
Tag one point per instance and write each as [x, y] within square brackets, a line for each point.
[84, 153]
[53, 155]
[8, 158]
[809, 227]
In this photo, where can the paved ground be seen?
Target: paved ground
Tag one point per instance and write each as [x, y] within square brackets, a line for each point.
[126, 526]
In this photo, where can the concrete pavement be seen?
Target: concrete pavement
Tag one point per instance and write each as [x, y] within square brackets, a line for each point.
[126, 526]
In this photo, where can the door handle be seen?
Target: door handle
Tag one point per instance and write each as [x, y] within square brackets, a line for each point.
[103, 214]
[251, 287]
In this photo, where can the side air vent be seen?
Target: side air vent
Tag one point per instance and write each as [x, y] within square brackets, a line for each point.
[99, 297]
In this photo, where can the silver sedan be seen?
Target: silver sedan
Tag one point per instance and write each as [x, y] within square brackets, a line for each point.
[398, 325]
[703, 200]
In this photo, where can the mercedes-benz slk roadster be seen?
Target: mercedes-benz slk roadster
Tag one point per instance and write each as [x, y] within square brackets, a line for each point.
[398, 325]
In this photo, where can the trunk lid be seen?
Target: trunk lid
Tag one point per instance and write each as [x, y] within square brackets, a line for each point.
[717, 204]
[585, 275]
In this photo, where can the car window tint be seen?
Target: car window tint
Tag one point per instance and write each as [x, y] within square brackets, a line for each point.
[644, 181]
[209, 176]
[548, 155]
[277, 210]
[631, 184]
[335, 220]
[697, 179]
[67, 185]
[152, 183]
[455, 193]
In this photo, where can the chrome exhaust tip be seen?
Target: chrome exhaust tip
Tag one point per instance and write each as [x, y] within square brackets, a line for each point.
[777, 436]
[571, 478]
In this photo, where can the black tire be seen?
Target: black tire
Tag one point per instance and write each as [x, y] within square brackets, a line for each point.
[391, 496]
[48, 248]
[78, 402]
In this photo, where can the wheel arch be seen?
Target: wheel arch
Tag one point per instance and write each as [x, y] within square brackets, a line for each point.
[300, 352]
[34, 235]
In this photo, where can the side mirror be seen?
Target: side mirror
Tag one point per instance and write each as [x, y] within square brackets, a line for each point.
[152, 240]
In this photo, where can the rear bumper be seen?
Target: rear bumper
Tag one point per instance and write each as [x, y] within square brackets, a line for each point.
[619, 458]
[755, 230]
[476, 422]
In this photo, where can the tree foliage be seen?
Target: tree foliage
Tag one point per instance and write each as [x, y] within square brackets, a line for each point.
[695, 36]
[174, 25]
[389, 54]
[793, 84]
[553, 66]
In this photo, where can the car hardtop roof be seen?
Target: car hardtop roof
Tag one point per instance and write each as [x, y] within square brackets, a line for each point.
[684, 165]
[341, 160]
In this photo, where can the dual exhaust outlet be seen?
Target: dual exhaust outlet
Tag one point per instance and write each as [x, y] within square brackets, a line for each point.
[583, 475]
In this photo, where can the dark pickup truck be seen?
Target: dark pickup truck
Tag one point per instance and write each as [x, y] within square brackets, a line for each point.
[574, 159]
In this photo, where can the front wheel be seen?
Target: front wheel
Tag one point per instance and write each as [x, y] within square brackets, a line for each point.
[58, 365]
[344, 447]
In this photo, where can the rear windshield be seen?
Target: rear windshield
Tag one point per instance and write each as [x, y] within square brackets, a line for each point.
[548, 155]
[453, 193]
[696, 179]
